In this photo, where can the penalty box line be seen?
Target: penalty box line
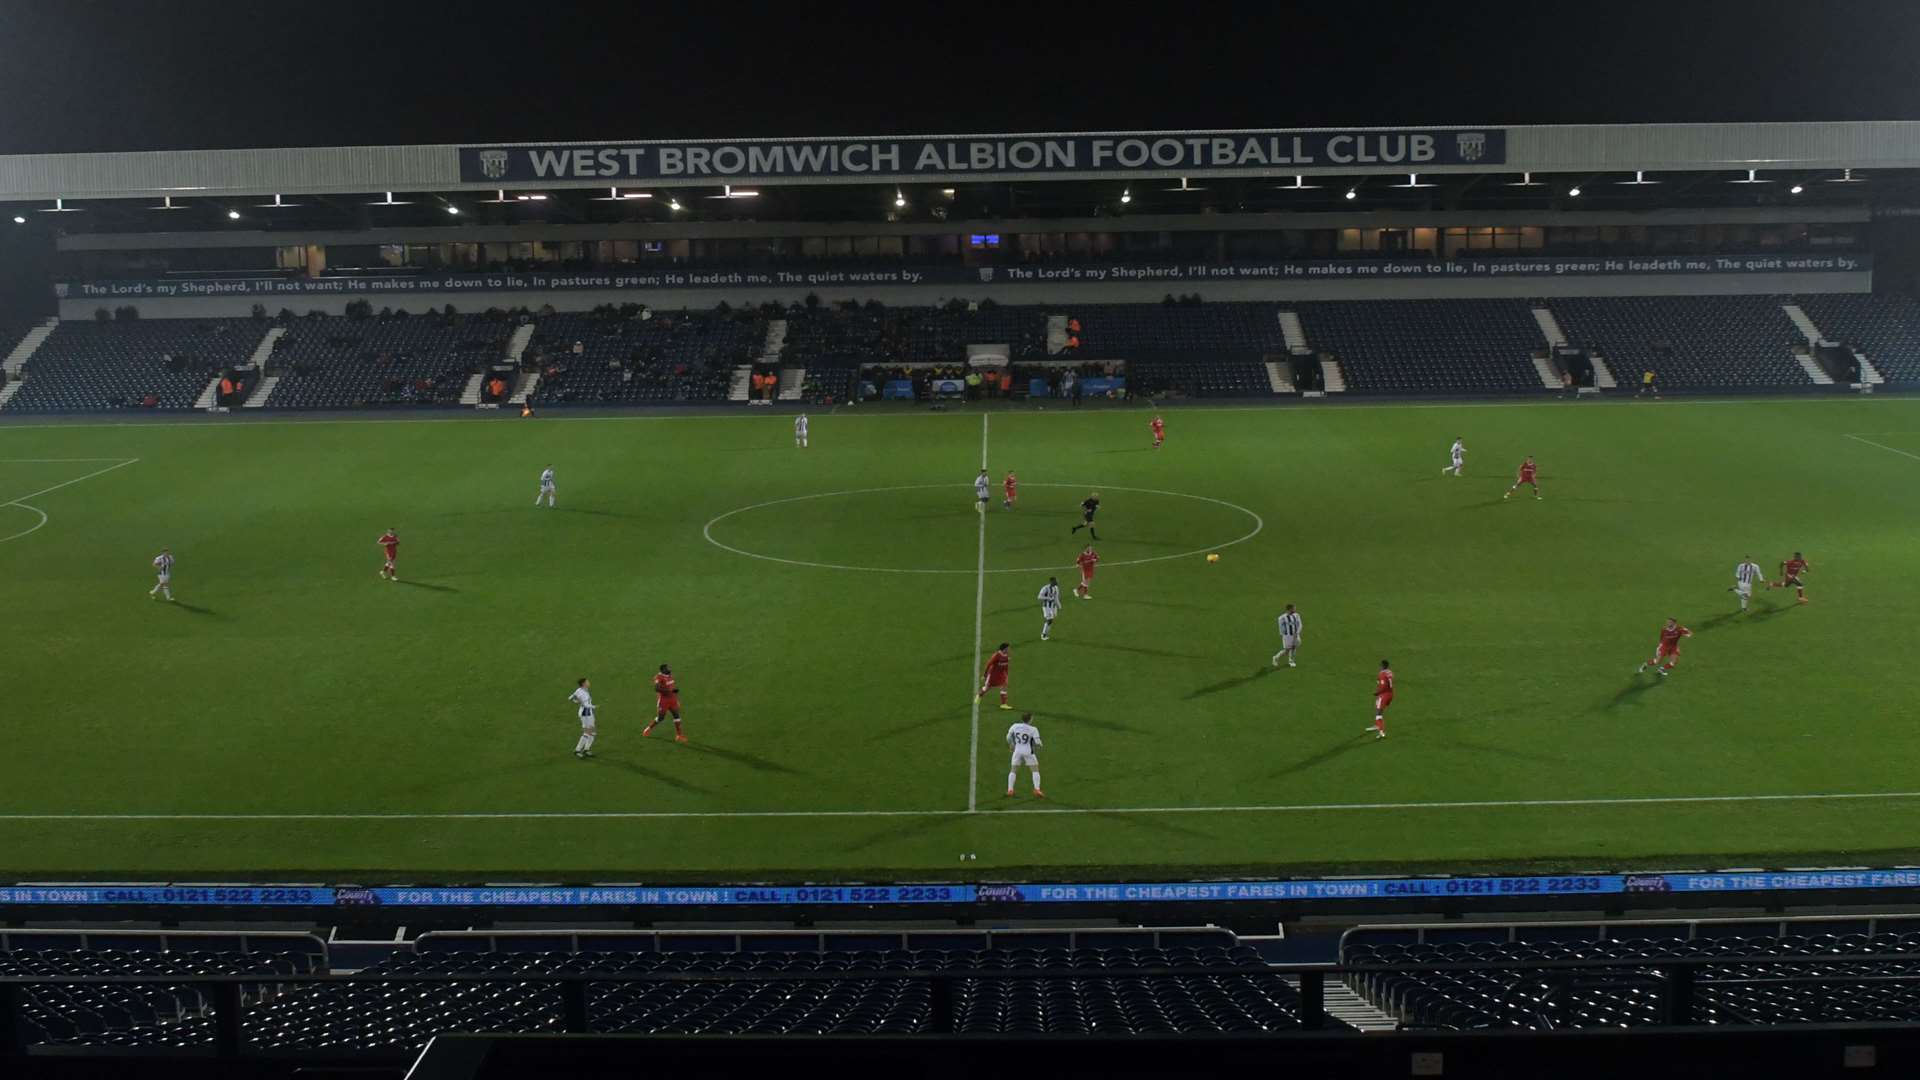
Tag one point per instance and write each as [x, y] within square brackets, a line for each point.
[1301, 808]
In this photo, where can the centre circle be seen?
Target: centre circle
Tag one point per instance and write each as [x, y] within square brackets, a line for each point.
[1033, 520]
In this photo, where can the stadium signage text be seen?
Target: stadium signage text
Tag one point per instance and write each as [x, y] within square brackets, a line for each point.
[1254, 152]
[1183, 274]
[1173, 892]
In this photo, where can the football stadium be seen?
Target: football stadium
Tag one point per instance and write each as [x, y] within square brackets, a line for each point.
[563, 607]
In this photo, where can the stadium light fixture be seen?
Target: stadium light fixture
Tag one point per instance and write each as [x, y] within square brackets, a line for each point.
[529, 197]
[1526, 180]
[899, 199]
[1413, 181]
[1184, 186]
[1126, 196]
[499, 196]
[453, 210]
[390, 201]
[1846, 177]
[60, 207]
[1574, 191]
[166, 203]
[277, 204]
[727, 192]
[233, 215]
[1753, 177]
[614, 194]
[1795, 189]
[947, 191]
[1299, 184]
[1639, 178]
[674, 205]
[19, 219]
[1353, 193]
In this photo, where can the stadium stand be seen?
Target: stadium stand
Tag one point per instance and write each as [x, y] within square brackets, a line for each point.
[339, 363]
[1775, 972]
[134, 363]
[1190, 374]
[1101, 983]
[1689, 342]
[1883, 326]
[671, 357]
[1428, 346]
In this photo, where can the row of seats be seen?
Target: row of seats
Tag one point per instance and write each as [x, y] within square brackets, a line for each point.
[87, 366]
[359, 363]
[1105, 994]
[661, 358]
[1428, 346]
[1194, 375]
[1885, 328]
[1398, 977]
[1689, 342]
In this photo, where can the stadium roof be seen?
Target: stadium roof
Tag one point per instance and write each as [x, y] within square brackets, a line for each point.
[1358, 152]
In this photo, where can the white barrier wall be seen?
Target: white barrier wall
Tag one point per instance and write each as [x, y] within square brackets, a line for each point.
[1032, 295]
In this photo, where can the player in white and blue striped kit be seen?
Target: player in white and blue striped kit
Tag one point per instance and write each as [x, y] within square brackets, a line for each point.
[583, 701]
[1049, 606]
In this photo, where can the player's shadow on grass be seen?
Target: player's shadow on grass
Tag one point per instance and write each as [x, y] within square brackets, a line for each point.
[196, 609]
[665, 779]
[1344, 746]
[944, 716]
[1634, 689]
[751, 761]
[1224, 685]
[1089, 721]
[1139, 650]
[428, 585]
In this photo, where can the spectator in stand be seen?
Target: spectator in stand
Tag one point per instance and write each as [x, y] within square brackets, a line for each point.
[1006, 384]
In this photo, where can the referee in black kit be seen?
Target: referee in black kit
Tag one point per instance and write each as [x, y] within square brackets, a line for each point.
[1089, 506]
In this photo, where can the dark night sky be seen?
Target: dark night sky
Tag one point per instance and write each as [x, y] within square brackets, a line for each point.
[82, 75]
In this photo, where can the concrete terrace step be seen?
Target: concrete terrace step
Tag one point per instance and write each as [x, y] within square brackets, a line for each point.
[1279, 377]
[258, 399]
[27, 346]
[470, 394]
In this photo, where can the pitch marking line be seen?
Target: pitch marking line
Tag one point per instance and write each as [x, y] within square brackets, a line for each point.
[979, 615]
[1259, 524]
[1884, 446]
[21, 502]
[511, 815]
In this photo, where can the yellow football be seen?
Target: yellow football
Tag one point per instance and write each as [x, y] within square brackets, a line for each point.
[1213, 556]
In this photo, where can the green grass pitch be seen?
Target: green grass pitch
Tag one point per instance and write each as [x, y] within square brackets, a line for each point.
[294, 716]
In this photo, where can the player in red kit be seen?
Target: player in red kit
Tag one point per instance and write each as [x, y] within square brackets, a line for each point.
[1382, 697]
[1159, 427]
[1528, 472]
[390, 542]
[995, 675]
[666, 701]
[1088, 559]
[1668, 654]
[1011, 488]
[1791, 573]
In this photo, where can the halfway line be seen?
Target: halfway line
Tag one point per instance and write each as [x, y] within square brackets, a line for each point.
[512, 815]
[979, 615]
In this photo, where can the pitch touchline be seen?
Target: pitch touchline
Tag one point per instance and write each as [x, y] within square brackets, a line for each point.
[1304, 808]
